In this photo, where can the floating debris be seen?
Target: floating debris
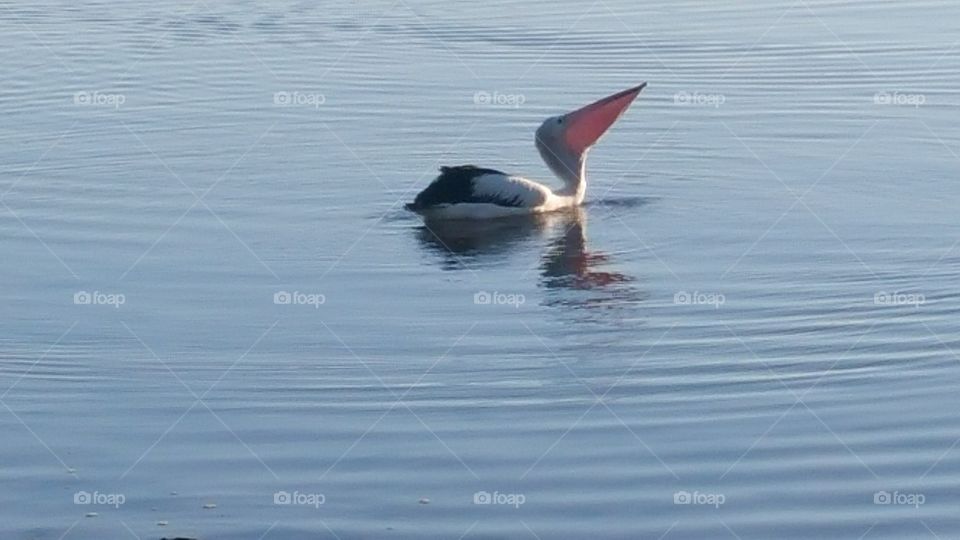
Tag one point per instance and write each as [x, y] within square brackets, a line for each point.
[424, 500]
[163, 523]
[208, 506]
[91, 514]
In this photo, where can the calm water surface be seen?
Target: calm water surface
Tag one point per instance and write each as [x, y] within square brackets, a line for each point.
[756, 313]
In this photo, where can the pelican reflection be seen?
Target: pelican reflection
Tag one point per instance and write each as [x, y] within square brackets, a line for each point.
[566, 263]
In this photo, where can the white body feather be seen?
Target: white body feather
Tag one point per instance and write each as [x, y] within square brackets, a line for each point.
[530, 197]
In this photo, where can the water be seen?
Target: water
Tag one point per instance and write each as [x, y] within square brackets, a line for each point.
[757, 306]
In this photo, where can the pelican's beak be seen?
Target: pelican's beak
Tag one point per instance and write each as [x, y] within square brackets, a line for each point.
[585, 126]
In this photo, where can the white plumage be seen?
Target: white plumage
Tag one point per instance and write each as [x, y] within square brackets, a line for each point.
[511, 188]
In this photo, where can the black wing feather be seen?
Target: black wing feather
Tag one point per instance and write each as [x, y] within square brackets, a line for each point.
[455, 185]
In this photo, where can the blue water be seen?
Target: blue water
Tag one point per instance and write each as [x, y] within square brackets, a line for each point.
[755, 313]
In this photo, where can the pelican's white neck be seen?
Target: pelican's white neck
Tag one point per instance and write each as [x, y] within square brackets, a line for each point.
[574, 181]
[569, 167]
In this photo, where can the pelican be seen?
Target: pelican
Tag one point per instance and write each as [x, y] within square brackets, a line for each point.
[470, 192]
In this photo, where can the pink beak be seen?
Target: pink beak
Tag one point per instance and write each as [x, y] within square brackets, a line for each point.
[585, 126]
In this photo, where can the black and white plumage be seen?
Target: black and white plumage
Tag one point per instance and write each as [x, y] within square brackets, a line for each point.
[470, 192]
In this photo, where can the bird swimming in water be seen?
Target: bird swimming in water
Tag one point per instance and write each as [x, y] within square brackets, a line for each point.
[470, 192]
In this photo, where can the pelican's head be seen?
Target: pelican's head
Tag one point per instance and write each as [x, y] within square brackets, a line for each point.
[563, 141]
